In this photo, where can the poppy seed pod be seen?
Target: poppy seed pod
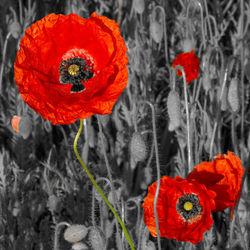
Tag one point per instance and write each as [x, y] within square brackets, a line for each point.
[174, 109]
[97, 238]
[138, 148]
[233, 95]
[75, 233]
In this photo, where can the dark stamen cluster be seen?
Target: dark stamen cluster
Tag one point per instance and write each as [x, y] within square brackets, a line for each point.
[84, 73]
[192, 213]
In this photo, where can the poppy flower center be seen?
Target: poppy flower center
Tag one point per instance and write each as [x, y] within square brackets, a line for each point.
[75, 71]
[188, 206]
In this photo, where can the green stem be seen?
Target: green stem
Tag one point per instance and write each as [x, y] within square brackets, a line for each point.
[97, 187]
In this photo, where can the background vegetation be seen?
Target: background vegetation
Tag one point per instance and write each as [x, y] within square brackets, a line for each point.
[41, 181]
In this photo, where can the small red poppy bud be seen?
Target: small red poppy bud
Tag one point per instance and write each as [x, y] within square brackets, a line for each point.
[138, 148]
[15, 122]
[174, 110]
[75, 233]
[233, 95]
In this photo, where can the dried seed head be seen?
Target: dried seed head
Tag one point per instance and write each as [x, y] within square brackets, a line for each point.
[174, 109]
[53, 202]
[139, 6]
[138, 148]
[97, 238]
[156, 31]
[75, 233]
[233, 95]
[80, 246]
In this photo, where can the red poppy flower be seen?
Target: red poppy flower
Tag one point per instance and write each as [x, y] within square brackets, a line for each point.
[183, 209]
[190, 63]
[69, 67]
[223, 175]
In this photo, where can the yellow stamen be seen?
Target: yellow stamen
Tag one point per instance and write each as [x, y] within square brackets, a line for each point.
[188, 206]
[73, 69]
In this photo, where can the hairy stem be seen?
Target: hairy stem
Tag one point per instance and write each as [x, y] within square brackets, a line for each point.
[97, 187]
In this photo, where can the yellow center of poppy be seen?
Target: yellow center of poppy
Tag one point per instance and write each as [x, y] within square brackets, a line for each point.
[188, 206]
[73, 69]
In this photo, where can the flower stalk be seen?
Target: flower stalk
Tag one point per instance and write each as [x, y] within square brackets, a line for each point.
[97, 187]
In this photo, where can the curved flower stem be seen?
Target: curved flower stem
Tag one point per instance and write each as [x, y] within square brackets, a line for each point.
[158, 173]
[187, 115]
[97, 187]
[56, 243]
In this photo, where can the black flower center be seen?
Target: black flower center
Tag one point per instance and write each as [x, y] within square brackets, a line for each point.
[188, 206]
[75, 71]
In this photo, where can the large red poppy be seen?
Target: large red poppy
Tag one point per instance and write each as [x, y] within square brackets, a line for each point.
[183, 209]
[190, 63]
[69, 67]
[223, 175]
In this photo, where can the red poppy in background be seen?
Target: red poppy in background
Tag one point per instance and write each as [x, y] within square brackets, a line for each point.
[223, 175]
[183, 209]
[190, 63]
[69, 67]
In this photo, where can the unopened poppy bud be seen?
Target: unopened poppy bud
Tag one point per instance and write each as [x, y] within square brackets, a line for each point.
[206, 81]
[15, 122]
[224, 104]
[118, 195]
[174, 109]
[138, 148]
[188, 45]
[150, 245]
[80, 246]
[156, 31]
[233, 95]
[75, 233]
[25, 127]
[97, 238]
[52, 202]
[139, 6]
[15, 29]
